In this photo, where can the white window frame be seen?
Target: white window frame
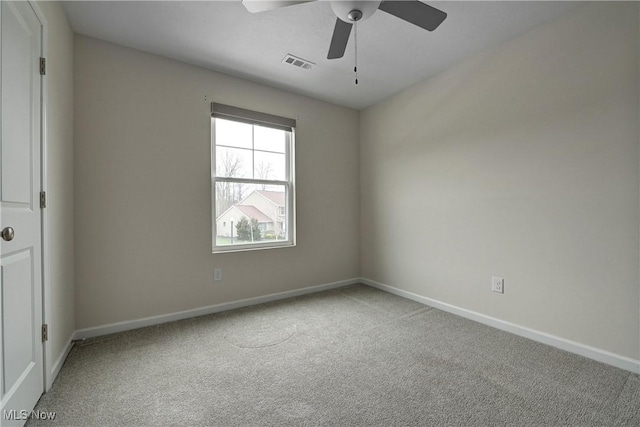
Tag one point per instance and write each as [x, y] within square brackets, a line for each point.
[227, 112]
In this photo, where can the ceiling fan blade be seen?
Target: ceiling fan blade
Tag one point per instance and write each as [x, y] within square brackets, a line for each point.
[255, 6]
[339, 39]
[416, 12]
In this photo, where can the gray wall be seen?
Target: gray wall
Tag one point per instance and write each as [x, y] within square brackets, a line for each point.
[521, 162]
[142, 188]
[59, 168]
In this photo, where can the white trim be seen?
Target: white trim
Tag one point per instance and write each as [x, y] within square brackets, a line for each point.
[46, 268]
[55, 370]
[597, 354]
[164, 318]
[600, 355]
[639, 224]
[289, 185]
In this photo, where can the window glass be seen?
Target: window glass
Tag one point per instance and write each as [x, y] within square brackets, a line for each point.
[252, 186]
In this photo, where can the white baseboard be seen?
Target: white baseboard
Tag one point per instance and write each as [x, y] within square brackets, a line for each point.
[600, 355]
[164, 318]
[57, 365]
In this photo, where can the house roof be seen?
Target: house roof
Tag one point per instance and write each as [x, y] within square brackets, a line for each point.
[253, 212]
[276, 197]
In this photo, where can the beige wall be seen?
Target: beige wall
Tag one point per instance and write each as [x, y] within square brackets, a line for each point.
[59, 169]
[522, 162]
[142, 189]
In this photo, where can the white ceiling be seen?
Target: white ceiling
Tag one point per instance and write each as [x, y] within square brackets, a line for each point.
[392, 54]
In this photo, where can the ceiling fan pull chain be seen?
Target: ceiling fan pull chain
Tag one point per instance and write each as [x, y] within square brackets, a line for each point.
[355, 36]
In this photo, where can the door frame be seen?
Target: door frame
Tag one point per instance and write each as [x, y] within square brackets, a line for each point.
[44, 224]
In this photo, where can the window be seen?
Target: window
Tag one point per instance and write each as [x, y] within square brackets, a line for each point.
[252, 175]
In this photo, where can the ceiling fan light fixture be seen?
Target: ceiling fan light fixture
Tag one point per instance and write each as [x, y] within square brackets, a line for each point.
[350, 12]
[343, 8]
[355, 15]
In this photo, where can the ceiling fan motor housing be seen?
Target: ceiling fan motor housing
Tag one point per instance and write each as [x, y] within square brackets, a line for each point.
[343, 9]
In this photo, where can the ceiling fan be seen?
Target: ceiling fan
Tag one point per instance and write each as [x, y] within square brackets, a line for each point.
[350, 12]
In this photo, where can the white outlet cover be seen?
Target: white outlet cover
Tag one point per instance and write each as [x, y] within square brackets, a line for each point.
[217, 275]
[497, 284]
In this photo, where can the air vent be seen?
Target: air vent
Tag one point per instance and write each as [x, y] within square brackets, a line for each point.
[298, 62]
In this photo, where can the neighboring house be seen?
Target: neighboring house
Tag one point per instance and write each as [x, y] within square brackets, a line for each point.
[267, 207]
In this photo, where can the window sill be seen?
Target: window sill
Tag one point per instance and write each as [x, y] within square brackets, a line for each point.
[251, 247]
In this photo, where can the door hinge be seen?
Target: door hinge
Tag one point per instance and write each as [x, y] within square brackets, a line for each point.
[45, 332]
[43, 200]
[43, 66]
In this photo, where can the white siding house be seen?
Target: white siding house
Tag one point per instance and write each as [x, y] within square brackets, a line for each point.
[267, 207]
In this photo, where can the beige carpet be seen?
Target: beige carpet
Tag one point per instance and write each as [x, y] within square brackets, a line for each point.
[355, 356]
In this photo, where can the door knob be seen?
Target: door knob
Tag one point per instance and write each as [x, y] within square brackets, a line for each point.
[8, 233]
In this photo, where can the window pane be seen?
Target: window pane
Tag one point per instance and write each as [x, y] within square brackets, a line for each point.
[233, 134]
[234, 162]
[250, 213]
[270, 166]
[247, 213]
[269, 139]
[228, 194]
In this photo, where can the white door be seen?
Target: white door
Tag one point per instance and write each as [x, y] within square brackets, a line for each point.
[22, 374]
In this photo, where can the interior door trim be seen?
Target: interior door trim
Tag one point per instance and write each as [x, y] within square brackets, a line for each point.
[46, 288]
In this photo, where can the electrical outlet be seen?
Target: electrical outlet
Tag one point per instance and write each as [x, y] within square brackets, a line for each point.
[217, 275]
[497, 285]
